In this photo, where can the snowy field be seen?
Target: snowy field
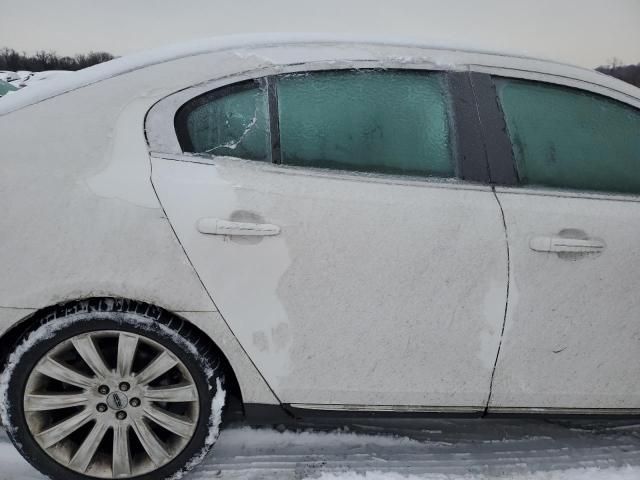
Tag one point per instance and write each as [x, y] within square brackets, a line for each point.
[431, 450]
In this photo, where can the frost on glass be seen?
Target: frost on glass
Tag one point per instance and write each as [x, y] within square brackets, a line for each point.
[567, 138]
[235, 125]
[371, 121]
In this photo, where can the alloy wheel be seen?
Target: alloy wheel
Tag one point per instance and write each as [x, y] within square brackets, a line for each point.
[111, 404]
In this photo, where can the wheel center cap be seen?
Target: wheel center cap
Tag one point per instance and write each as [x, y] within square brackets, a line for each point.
[117, 400]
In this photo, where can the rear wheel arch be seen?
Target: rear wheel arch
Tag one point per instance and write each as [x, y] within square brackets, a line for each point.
[21, 329]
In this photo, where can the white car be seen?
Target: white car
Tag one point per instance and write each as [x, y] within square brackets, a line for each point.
[302, 227]
[8, 76]
[29, 78]
[6, 87]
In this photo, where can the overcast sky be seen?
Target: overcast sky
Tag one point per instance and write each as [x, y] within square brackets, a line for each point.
[583, 32]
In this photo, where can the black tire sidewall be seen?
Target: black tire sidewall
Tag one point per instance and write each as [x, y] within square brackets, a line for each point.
[196, 363]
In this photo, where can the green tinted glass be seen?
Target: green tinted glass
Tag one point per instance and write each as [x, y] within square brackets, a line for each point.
[235, 124]
[370, 121]
[566, 138]
[6, 87]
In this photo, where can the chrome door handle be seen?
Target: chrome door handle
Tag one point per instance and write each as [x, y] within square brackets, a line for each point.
[215, 226]
[561, 244]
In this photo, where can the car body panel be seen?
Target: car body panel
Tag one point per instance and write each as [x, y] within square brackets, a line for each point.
[367, 278]
[571, 333]
[87, 222]
[53, 177]
[253, 387]
[85, 209]
[10, 316]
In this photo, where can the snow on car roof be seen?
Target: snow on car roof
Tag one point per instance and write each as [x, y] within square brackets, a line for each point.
[129, 63]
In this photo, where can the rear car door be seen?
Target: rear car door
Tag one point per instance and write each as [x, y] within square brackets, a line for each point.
[325, 214]
[572, 335]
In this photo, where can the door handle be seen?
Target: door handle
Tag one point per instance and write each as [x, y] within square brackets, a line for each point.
[215, 226]
[561, 244]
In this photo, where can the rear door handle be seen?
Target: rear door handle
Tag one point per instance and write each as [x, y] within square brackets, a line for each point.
[215, 226]
[561, 244]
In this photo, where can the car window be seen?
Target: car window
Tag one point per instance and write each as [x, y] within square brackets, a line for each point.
[571, 139]
[227, 122]
[370, 121]
[6, 87]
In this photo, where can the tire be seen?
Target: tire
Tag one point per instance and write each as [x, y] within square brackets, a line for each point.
[167, 421]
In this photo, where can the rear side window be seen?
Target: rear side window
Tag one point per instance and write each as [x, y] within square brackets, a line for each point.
[570, 139]
[369, 121]
[382, 121]
[232, 122]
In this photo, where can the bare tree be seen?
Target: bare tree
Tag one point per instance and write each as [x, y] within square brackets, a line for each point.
[627, 73]
[48, 60]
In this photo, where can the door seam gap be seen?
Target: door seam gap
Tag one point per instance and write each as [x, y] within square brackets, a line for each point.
[506, 304]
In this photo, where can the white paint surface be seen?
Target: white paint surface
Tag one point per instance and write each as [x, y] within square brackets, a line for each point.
[252, 386]
[82, 231]
[11, 316]
[81, 216]
[371, 292]
[572, 332]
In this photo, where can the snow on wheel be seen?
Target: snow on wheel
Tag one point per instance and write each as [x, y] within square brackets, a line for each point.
[112, 394]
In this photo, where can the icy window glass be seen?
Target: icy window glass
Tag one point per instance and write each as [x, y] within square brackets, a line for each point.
[233, 123]
[370, 121]
[567, 138]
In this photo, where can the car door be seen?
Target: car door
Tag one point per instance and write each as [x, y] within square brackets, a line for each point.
[572, 335]
[324, 215]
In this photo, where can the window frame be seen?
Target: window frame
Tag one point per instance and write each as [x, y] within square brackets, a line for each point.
[468, 147]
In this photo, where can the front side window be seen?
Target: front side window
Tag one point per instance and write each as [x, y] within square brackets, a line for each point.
[232, 122]
[570, 139]
[369, 121]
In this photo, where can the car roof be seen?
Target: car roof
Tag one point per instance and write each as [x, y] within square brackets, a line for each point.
[129, 63]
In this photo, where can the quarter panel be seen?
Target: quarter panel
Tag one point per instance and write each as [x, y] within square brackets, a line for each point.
[252, 386]
[10, 316]
[83, 217]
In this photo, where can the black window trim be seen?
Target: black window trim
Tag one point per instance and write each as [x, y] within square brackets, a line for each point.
[471, 154]
[274, 119]
[470, 147]
[499, 152]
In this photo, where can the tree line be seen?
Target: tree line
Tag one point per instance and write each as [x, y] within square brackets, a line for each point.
[627, 73]
[12, 60]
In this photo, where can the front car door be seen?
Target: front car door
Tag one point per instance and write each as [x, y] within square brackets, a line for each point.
[325, 215]
[572, 334]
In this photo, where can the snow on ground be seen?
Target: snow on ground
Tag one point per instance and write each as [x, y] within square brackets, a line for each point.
[437, 449]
